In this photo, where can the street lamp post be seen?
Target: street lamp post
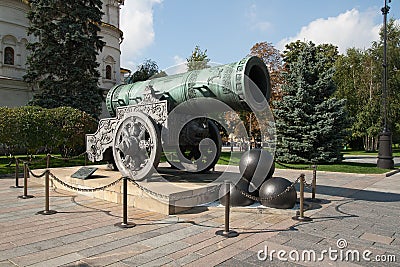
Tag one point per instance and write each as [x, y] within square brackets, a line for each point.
[385, 155]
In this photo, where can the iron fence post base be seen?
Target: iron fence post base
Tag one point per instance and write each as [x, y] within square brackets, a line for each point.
[125, 225]
[46, 212]
[228, 234]
[26, 196]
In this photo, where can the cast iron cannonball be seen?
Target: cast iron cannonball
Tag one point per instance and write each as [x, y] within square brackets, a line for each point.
[256, 165]
[237, 199]
[275, 186]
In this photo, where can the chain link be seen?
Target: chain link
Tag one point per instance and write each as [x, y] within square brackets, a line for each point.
[307, 184]
[84, 189]
[247, 195]
[31, 161]
[74, 157]
[36, 175]
[162, 196]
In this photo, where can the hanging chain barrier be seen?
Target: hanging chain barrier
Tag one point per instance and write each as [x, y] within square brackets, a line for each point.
[74, 157]
[46, 158]
[300, 213]
[313, 184]
[162, 196]
[50, 176]
[36, 175]
[273, 197]
[79, 189]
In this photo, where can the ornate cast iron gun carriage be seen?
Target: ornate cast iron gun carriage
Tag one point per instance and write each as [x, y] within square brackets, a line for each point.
[132, 137]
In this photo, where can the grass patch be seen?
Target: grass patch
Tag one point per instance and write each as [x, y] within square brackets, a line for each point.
[7, 164]
[348, 167]
[396, 152]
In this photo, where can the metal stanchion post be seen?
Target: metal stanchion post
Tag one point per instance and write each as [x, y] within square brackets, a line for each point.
[125, 223]
[47, 210]
[16, 175]
[300, 216]
[226, 232]
[85, 159]
[314, 181]
[48, 161]
[314, 186]
[26, 173]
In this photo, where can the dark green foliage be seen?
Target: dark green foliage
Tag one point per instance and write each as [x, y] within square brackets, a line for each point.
[311, 124]
[62, 65]
[61, 129]
[147, 70]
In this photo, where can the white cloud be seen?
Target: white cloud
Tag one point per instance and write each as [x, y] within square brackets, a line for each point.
[255, 22]
[137, 26]
[349, 29]
[179, 67]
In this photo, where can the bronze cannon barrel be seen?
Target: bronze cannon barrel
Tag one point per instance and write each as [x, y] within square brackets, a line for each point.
[233, 84]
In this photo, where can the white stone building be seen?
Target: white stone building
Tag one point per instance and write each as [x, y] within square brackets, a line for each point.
[13, 53]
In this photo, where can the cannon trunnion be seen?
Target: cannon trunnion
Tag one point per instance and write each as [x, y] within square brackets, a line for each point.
[135, 137]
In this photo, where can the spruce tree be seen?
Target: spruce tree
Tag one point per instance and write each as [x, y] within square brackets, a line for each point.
[311, 124]
[62, 65]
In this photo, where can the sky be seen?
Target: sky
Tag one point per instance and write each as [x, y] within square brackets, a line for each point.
[166, 31]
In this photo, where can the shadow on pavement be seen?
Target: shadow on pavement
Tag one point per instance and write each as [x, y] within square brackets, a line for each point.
[358, 194]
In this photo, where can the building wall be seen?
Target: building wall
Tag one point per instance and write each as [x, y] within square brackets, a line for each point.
[13, 26]
[13, 34]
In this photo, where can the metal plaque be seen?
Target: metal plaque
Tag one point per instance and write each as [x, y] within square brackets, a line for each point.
[84, 172]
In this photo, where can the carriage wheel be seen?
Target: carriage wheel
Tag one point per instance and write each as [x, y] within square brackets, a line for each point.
[137, 146]
[198, 157]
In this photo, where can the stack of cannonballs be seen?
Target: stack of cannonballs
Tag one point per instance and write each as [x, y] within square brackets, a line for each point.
[256, 168]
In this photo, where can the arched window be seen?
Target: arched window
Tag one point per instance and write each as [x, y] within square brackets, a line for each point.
[108, 72]
[9, 55]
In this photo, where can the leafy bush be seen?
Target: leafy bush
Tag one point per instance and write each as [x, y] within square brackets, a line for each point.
[54, 130]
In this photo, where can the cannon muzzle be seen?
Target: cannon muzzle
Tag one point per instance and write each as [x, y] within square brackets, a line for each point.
[235, 84]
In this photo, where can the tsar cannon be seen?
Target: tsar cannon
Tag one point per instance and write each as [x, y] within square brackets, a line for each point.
[141, 127]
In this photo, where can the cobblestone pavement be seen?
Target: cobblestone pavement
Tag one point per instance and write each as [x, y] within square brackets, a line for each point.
[356, 224]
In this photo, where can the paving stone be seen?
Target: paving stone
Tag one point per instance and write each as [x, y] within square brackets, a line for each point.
[66, 259]
[88, 234]
[6, 264]
[244, 255]
[154, 254]
[90, 239]
[303, 236]
[158, 262]
[169, 237]
[377, 238]
[186, 259]
[236, 263]
[116, 255]
[15, 252]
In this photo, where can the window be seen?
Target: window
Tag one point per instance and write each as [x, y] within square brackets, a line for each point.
[108, 72]
[9, 56]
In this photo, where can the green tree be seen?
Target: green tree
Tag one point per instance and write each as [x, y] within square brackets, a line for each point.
[147, 70]
[198, 60]
[311, 124]
[273, 59]
[62, 63]
[359, 80]
[393, 69]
